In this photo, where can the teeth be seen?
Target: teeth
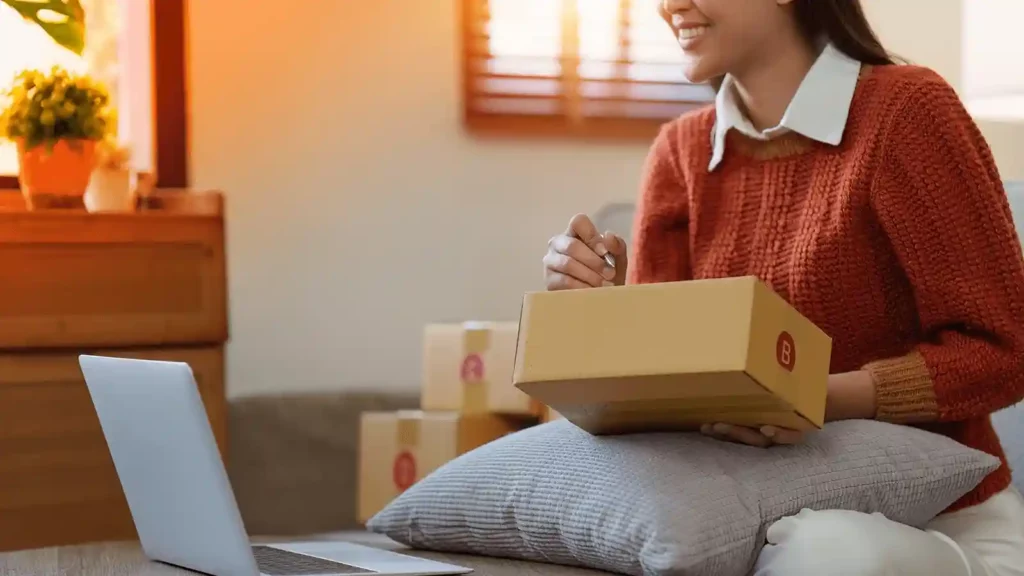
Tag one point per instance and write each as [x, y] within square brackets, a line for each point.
[690, 33]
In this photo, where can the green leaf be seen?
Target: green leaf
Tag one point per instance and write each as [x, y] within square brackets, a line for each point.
[63, 20]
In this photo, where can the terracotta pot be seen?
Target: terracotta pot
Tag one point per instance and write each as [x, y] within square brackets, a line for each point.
[56, 179]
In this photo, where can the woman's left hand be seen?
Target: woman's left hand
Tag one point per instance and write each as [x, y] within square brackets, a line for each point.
[851, 395]
[762, 437]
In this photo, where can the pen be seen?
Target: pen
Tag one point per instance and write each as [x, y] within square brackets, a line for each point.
[608, 258]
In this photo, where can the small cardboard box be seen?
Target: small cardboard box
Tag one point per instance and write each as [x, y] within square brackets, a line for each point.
[673, 356]
[398, 449]
[467, 368]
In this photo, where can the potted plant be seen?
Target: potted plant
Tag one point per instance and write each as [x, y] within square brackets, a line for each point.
[56, 120]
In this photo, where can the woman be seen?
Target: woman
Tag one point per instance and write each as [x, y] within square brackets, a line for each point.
[862, 191]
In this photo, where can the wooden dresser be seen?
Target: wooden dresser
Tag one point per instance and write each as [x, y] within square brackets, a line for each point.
[145, 285]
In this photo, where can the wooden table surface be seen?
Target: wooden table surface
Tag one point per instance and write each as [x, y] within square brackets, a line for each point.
[117, 559]
[126, 558]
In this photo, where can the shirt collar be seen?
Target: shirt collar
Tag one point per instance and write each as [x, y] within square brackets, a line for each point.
[819, 109]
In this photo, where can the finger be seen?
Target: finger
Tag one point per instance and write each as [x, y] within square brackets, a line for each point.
[563, 264]
[583, 228]
[720, 432]
[615, 244]
[559, 281]
[743, 435]
[577, 250]
[708, 430]
[617, 248]
[783, 436]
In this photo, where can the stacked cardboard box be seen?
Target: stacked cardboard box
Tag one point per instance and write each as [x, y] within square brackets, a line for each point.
[467, 400]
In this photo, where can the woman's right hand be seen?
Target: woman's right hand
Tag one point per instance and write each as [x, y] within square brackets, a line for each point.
[575, 259]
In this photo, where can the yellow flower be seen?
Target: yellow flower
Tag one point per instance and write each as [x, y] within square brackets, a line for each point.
[67, 110]
[42, 107]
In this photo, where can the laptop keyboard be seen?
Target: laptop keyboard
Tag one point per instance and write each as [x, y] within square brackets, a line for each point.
[278, 562]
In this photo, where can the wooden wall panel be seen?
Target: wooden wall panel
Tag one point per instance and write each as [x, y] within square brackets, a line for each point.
[57, 481]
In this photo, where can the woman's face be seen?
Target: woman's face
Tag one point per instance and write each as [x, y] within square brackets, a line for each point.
[726, 36]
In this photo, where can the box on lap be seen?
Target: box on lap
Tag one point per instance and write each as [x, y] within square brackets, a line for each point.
[673, 356]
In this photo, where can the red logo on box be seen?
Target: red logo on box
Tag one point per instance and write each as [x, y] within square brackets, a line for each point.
[785, 351]
[472, 368]
[404, 471]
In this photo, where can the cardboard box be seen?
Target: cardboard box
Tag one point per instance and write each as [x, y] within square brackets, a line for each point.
[673, 356]
[398, 449]
[467, 368]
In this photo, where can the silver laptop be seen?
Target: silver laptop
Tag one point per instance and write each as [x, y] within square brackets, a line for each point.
[178, 492]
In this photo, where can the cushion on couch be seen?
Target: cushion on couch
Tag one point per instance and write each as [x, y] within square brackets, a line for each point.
[670, 503]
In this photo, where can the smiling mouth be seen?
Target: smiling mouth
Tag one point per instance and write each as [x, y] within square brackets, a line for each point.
[691, 32]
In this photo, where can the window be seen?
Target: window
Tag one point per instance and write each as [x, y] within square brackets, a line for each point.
[585, 67]
[136, 47]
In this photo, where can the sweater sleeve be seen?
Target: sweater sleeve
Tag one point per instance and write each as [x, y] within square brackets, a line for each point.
[661, 239]
[940, 201]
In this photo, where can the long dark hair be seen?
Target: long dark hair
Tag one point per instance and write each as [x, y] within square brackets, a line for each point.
[843, 23]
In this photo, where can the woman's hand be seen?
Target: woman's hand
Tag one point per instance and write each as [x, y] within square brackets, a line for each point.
[575, 259]
[762, 437]
[851, 396]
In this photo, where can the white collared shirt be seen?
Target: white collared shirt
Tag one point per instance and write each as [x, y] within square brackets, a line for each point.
[819, 108]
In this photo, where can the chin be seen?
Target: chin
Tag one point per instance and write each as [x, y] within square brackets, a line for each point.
[701, 70]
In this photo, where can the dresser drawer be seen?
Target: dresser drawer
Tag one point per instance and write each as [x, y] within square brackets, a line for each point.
[57, 481]
[111, 281]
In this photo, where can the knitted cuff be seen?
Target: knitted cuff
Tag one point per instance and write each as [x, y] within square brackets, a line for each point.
[904, 390]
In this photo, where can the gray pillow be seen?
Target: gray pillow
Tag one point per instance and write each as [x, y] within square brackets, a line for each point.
[670, 503]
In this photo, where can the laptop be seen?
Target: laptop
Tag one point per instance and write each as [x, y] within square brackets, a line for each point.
[178, 492]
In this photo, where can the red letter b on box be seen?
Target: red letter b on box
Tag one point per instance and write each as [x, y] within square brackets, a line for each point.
[785, 351]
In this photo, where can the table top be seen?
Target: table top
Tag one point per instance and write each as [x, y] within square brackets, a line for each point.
[127, 559]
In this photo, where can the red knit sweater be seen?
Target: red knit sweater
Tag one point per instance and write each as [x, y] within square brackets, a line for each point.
[898, 243]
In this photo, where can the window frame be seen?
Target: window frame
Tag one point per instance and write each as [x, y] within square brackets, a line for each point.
[495, 125]
[170, 97]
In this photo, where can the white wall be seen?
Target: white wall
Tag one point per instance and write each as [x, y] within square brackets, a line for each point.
[358, 210]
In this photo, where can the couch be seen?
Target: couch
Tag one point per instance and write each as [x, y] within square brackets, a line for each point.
[292, 458]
